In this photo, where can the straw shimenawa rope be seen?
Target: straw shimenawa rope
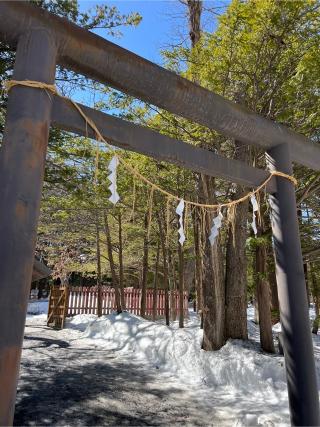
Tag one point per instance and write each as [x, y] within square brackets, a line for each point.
[9, 84]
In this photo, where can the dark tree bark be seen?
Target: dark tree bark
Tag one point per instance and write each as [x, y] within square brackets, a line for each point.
[145, 264]
[305, 266]
[305, 269]
[121, 273]
[194, 8]
[155, 284]
[99, 284]
[213, 287]
[316, 299]
[236, 264]
[181, 285]
[172, 285]
[115, 282]
[165, 267]
[213, 284]
[263, 297]
[272, 279]
[194, 15]
[198, 259]
[236, 275]
[256, 309]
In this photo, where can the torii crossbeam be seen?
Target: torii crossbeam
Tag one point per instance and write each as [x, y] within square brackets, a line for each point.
[44, 40]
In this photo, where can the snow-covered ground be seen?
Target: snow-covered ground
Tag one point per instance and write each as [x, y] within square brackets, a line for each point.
[242, 385]
[36, 307]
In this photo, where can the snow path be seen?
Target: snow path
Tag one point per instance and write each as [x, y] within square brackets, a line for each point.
[124, 370]
[65, 382]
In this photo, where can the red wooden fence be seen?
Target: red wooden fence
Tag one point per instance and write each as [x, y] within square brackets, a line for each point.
[84, 300]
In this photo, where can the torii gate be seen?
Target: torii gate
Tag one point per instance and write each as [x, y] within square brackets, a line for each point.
[43, 40]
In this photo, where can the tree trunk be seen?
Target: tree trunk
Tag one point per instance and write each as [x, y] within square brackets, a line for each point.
[256, 309]
[145, 265]
[236, 275]
[272, 279]
[213, 285]
[263, 297]
[305, 270]
[316, 299]
[165, 269]
[99, 284]
[194, 8]
[155, 284]
[194, 12]
[315, 325]
[198, 259]
[112, 265]
[121, 275]
[305, 266]
[236, 264]
[172, 285]
[181, 284]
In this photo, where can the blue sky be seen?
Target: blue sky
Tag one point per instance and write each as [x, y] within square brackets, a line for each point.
[163, 24]
[155, 31]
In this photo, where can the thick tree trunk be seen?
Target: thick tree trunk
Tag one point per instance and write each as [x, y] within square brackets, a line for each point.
[263, 297]
[213, 284]
[181, 285]
[99, 284]
[236, 264]
[194, 18]
[121, 273]
[112, 265]
[236, 275]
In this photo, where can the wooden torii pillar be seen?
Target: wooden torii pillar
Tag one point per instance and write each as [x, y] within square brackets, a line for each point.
[43, 39]
[294, 310]
[22, 164]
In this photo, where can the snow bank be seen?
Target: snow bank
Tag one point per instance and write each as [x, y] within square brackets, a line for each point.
[237, 365]
[38, 307]
[81, 321]
[243, 385]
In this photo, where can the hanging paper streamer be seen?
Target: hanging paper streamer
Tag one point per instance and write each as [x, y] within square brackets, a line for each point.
[114, 198]
[216, 224]
[255, 209]
[179, 211]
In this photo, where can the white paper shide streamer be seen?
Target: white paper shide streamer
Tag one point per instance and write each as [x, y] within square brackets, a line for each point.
[179, 211]
[255, 209]
[114, 198]
[216, 224]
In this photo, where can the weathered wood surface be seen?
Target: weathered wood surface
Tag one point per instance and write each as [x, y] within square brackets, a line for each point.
[58, 306]
[145, 141]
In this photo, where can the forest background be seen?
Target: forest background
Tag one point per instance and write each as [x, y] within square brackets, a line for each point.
[261, 54]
